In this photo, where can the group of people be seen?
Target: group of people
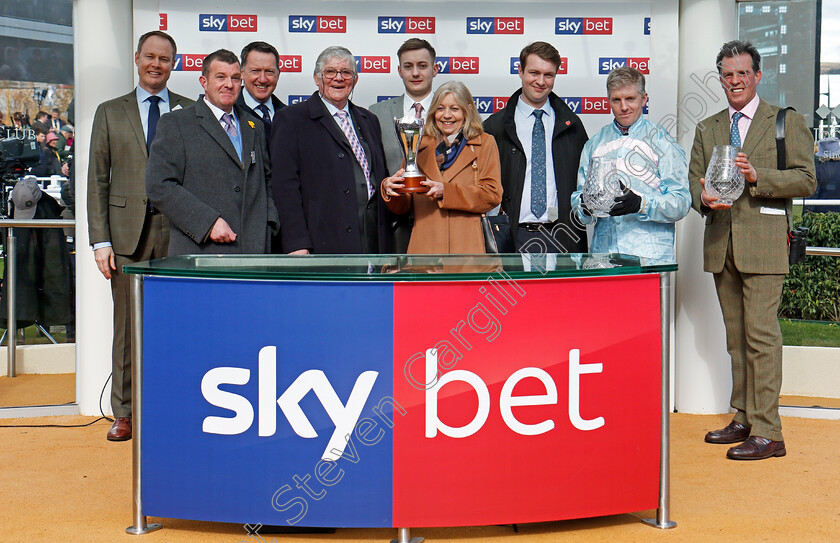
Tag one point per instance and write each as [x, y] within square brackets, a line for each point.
[238, 171]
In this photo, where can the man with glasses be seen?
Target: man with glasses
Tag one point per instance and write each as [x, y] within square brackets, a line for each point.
[327, 162]
[260, 73]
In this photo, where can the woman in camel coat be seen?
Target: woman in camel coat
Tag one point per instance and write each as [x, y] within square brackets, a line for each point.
[461, 165]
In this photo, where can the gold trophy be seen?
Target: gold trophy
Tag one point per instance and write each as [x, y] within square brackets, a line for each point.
[409, 132]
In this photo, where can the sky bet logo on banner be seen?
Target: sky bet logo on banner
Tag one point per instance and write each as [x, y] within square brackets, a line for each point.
[562, 70]
[591, 104]
[495, 25]
[298, 98]
[457, 65]
[490, 104]
[403, 25]
[227, 23]
[647, 26]
[290, 63]
[318, 23]
[608, 64]
[583, 25]
[188, 63]
[373, 65]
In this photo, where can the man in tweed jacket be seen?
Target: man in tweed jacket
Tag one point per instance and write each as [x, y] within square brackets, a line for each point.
[745, 245]
[123, 228]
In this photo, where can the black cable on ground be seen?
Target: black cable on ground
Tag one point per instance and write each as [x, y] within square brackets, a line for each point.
[101, 393]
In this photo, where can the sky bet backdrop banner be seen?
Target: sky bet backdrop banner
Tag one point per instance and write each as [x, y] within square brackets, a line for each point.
[477, 43]
[408, 404]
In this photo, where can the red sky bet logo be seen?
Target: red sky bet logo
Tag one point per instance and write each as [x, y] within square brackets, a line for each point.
[290, 63]
[188, 63]
[373, 64]
[406, 25]
[163, 23]
[227, 23]
[457, 65]
[318, 23]
[608, 64]
[495, 25]
[583, 25]
[490, 104]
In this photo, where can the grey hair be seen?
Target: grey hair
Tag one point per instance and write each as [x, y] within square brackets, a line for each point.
[624, 77]
[335, 51]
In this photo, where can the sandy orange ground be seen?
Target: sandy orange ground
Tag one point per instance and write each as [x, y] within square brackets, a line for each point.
[71, 485]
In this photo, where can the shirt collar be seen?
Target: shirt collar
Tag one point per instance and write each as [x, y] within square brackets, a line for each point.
[252, 103]
[143, 94]
[748, 110]
[332, 109]
[408, 104]
[216, 111]
[526, 110]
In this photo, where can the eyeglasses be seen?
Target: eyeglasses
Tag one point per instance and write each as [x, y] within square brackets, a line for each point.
[331, 73]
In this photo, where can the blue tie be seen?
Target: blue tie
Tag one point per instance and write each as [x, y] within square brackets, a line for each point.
[263, 109]
[538, 166]
[734, 135]
[154, 115]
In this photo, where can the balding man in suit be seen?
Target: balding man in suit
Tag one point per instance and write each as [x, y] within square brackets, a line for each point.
[209, 170]
[123, 228]
[745, 244]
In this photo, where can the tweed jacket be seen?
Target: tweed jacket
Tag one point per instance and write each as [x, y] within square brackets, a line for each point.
[118, 156]
[756, 220]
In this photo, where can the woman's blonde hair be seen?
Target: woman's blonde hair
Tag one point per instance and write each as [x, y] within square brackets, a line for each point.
[472, 120]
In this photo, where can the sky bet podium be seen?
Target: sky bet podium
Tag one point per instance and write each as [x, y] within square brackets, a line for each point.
[400, 391]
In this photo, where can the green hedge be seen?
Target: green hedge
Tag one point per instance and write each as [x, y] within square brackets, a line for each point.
[812, 289]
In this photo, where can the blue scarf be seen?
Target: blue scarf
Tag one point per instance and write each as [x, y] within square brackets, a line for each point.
[446, 154]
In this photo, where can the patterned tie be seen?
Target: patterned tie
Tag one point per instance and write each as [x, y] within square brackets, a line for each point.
[230, 125]
[262, 108]
[538, 166]
[154, 115]
[418, 110]
[734, 134]
[356, 145]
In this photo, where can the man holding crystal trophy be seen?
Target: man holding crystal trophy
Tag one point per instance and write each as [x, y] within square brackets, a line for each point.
[632, 179]
[745, 241]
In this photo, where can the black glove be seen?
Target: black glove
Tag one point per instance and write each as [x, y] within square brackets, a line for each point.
[628, 202]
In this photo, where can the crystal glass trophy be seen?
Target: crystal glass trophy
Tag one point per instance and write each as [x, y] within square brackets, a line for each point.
[601, 187]
[409, 132]
[724, 180]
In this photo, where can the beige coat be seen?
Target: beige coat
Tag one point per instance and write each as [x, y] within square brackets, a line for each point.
[471, 186]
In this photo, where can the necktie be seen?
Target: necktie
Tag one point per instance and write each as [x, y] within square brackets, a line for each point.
[262, 108]
[154, 115]
[538, 165]
[356, 145]
[230, 125]
[734, 134]
[418, 110]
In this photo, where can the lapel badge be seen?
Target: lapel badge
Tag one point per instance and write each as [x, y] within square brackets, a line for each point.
[251, 124]
[568, 123]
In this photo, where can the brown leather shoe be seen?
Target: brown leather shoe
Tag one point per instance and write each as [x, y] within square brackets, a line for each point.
[735, 432]
[120, 430]
[756, 448]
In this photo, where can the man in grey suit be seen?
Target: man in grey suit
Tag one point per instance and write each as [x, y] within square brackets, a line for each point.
[745, 244]
[417, 68]
[123, 228]
[209, 171]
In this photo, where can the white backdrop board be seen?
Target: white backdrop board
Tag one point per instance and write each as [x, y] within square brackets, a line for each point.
[478, 44]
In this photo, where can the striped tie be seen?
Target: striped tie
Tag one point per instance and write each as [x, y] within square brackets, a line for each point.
[356, 145]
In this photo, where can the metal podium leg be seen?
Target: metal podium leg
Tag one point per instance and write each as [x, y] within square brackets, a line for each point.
[662, 519]
[11, 290]
[139, 527]
[404, 536]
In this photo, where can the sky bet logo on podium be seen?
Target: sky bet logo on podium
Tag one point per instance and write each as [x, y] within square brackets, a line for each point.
[373, 64]
[457, 65]
[583, 25]
[562, 70]
[406, 25]
[227, 23]
[318, 23]
[495, 25]
[608, 64]
[188, 63]
[490, 104]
